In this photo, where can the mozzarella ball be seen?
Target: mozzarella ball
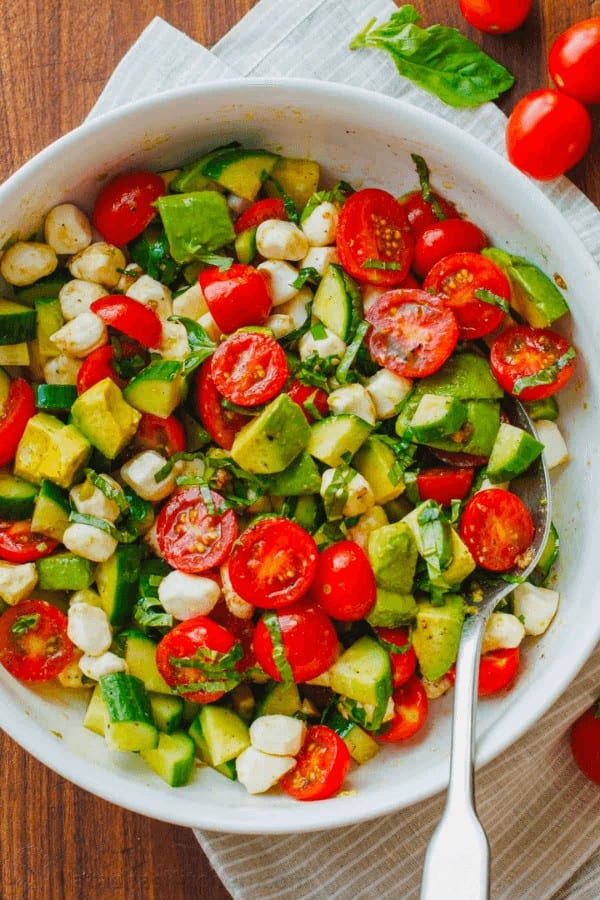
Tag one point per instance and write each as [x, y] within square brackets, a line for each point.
[277, 734]
[95, 667]
[354, 399]
[100, 262]
[281, 240]
[153, 294]
[185, 596]
[139, 472]
[62, 370]
[502, 631]
[81, 335]
[88, 628]
[26, 262]
[67, 229]
[280, 275]
[91, 501]
[259, 771]
[89, 542]
[76, 296]
[321, 225]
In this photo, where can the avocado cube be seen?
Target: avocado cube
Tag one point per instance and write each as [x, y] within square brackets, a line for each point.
[298, 178]
[392, 552]
[299, 478]
[375, 461]
[513, 452]
[273, 439]
[478, 433]
[50, 449]
[436, 635]
[461, 562]
[105, 418]
[533, 295]
[435, 417]
[363, 673]
[195, 223]
[392, 609]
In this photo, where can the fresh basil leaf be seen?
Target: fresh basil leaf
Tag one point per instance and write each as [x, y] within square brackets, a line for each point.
[109, 490]
[544, 376]
[151, 253]
[197, 336]
[339, 193]
[309, 273]
[336, 493]
[222, 263]
[318, 331]
[271, 623]
[438, 59]
[121, 535]
[288, 203]
[25, 623]
[343, 370]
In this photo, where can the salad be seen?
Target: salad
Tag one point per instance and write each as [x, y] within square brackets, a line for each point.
[256, 462]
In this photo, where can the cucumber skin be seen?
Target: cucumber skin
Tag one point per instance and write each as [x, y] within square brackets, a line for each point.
[17, 497]
[130, 725]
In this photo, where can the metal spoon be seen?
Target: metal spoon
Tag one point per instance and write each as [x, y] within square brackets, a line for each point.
[457, 863]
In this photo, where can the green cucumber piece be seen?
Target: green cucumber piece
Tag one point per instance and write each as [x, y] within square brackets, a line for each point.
[139, 652]
[158, 389]
[240, 171]
[548, 557]
[337, 301]
[191, 177]
[297, 178]
[361, 745]
[55, 397]
[436, 417]
[334, 437]
[95, 714]
[64, 572]
[220, 734]
[167, 711]
[47, 287]
[17, 322]
[51, 511]
[49, 320]
[172, 759]
[129, 723]
[245, 246]
[116, 581]
[280, 699]
[228, 769]
[513, 452]
[5, 381]
[17, 497]
[363, 673]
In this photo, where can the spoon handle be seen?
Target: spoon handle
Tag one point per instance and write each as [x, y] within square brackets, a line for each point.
[457, 863]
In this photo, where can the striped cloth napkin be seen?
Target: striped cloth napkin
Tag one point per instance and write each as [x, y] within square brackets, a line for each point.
[542, 816]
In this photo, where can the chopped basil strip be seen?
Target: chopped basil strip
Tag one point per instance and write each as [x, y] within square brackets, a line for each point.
[436, 538]
[222, 263]
[271, 623]
[311, 407]
[338, 194]
[288, 203]
[109, 490]
[25, 623]
[394, 648]
[309, 273]
[342, 371]
[544, 376]
[123, 537]
[336, 493]
[318, 331]
[166, 470]
[382, 264]
[426, 192]
[491, 298]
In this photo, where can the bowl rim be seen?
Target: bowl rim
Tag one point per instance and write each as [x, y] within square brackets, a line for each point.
[336, 812]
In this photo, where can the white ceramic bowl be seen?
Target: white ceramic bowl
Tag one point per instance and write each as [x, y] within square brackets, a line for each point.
[366, 139]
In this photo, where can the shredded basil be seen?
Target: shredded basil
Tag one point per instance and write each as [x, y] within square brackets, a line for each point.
[288, 203]
[222, 263]
[109, 490]
[544, 376]
[318, 331]
[201, 345]
[310, 406]
[493, 299]
[126, 366]
[23, 624]
[338, 194]
[308, 273]
[343, 370]
[336, 493]
[426, 192]
[436, 538]
[186, 455]
[271, 623]
[394, 648]
[386, 265]
[122, 536]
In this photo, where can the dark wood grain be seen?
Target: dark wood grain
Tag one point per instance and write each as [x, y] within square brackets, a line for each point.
[56, 841]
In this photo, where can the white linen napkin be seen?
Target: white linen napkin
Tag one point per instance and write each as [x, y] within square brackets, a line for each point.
[541, 815]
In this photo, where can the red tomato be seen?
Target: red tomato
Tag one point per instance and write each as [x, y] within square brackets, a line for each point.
[574, 61]
[420, 213]
[402, 658]
[241, 629]
[308, 638]
[125, 206]
[585, 743]
[547, 133]
[99, 365]
[413, 334]
[192, 537]
[458, 460]
[237, 297]
[269, 208]
[497, 528]
[445, 485]
[444, 238]
[167, 436]
[19, 544]
[372, 226]
[18, 410]
[457, 279]
[321, 766]
[525, 352]
[130, 317]
[34, 645]
[497, 669]
[222, 424]
[186, 642]
[344, 583]
[273, 563]
[495, 16]
[303, 393]
[249, 368]
[410, 712]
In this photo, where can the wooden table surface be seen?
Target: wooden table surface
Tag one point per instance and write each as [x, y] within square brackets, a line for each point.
[58, 842]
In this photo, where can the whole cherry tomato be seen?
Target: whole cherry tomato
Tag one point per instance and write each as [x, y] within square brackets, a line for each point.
[125, 206]
[547, 133]
[300, 636]
[344, 583]
[574, 61]
[495, 16]
[261, 211]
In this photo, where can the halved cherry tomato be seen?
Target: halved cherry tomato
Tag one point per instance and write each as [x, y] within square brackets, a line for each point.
[124, 207]
[344, 583]
[99, 365]
[585, 743]
[373, 230]
[34, 645]
[497, 528]
[547, 133]
[130, 317]
[193, 537]
[186, 644]
[458, 279]
[273, 563]
[307, 393]
[259, 212]
[413, 334]
[308, 640]
[19, 544]
[249, 368]
[241, 629]
[539, 354]
[222, 424]
[18, 410]
[410, 712]
[421, 213]
[402, 657]
[444, 485]
[444, 238]
[165, 435]
[321, 766]
[495, 16]
[236, 297]
[497, 669]
[574, 61]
